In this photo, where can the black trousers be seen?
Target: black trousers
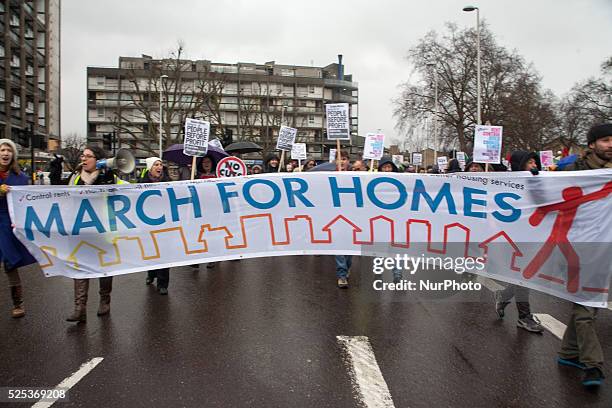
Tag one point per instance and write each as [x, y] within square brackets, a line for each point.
[162, 275]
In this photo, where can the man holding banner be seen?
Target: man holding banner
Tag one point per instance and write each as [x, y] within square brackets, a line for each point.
[580, 346]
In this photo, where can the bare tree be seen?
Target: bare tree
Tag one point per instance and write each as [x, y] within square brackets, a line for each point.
[185, 97]
[72, 147]
[589, 102]
[510, 89]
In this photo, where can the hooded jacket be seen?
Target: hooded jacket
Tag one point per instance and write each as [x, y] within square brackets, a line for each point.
[385, 160]
[453, 166]
[266, 167]
[519, 158]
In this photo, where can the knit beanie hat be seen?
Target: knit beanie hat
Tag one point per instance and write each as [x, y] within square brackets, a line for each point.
[599, 131]
[150, 161]
[12, 144]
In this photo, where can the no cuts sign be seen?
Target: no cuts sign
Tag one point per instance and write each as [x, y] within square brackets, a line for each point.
[231, 167]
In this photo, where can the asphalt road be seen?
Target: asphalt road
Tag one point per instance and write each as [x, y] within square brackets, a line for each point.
[264, 333]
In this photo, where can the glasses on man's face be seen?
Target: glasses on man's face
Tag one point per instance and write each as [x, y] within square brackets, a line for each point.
[87, 156]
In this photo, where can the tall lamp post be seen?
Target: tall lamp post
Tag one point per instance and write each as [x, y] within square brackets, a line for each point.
[161, 117]
[468, 9]
[432, 65]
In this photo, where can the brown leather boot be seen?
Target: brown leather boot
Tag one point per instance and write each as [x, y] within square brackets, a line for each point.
[106, 287]
[81, 287]
[17, 295]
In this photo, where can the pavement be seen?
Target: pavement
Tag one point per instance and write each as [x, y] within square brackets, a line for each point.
[277, 332]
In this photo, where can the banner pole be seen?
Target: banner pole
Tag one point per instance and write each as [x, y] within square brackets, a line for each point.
[371, 164]
[282, 159]
[338, 156]
[299, 165]
[193, 167]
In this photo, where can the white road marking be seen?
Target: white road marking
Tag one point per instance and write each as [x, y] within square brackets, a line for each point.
[551, 324]
[548, 322]
[71, 381]
[368, 380]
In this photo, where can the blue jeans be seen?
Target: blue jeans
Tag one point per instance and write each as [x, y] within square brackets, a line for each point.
[343, 264]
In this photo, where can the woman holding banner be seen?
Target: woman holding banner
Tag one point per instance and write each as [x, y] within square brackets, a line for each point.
[154, 173]
[88, 174]
[12, 252]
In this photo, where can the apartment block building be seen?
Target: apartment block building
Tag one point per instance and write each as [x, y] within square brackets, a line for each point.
[242, 101]
[30, 70]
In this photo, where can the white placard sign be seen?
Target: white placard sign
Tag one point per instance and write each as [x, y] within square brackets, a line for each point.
[298, 152]
[417, 159]
[216, 143]
[338, 127]
[286, 138]
[487, 144]
[442, 162]
[397, 159]
[461, 157]
[332, 155]
[197, 133]
[374, 146]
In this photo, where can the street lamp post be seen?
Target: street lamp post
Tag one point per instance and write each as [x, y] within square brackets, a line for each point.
[468, 9]
[161, 117]
[435, 118]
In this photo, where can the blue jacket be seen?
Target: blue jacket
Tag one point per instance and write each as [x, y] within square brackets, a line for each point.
[12, 180]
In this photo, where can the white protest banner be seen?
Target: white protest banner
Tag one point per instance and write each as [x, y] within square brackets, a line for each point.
[332, 155]
[511, 224]
[487, 144]
[216, 143]
[286, 138]
[442, 162]
[231, 166]
[338, 126]
[374, 146]
[196, 137]
[547, 158]
[298, 152]
[397, 159]
[417, 159]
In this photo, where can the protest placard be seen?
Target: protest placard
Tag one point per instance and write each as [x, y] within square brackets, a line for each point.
[487, 144]
[231, 166]
[286, 138]
[417, 159]
[215, 143]
[196, 137]
[332, 155]
[442, 162]
[547, 158]
[374, 146]
[298, 152]
[338, 127]
[397, 159]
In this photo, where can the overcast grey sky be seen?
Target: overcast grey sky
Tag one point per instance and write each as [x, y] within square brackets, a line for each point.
[566, 40]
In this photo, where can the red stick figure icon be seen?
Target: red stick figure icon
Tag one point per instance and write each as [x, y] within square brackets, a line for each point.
[573, 197]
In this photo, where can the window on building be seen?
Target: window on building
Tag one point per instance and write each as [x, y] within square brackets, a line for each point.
[311, 119]
[100, 112]
[311, 89]
[100, 81]
[2, 95]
